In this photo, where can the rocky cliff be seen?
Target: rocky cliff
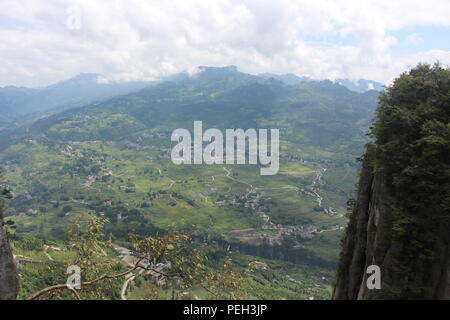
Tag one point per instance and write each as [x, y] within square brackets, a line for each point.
[371, 239]
[9, 278]
[400, 222]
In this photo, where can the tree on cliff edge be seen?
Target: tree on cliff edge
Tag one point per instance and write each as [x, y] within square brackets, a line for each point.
[401, 220]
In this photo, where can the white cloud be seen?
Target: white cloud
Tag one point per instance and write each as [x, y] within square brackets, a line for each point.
[137, 39]
[414, 39]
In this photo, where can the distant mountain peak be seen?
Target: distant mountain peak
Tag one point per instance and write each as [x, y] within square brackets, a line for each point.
[202, 71]
[287, 78]
[218, 69]
[82, 78]
[361, 85]
[82, 88]
[215, 71]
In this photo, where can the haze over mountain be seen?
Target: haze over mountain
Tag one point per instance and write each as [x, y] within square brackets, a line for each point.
[87, 87]
[83, 88]
[319, 113]
[362, 85]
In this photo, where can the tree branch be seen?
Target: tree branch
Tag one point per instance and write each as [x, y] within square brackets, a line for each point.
[75, 293]
[87, 283]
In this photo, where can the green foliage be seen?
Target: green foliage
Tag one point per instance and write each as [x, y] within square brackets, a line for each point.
[89, 244]
[188, 266]
[412, 137]
[184, 266]
[27, 241]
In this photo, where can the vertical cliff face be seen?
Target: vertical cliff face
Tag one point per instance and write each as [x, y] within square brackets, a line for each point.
[9, 278]
[371, 239]
[401, 219]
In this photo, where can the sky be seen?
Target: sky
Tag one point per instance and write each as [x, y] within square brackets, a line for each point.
[45, 41]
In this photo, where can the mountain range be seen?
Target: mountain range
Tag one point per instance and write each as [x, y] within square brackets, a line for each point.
[83, 88]
[87, 87]
[361, 85]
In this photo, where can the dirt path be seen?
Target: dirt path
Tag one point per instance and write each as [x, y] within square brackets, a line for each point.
[127, 253]
[172, 182]
[230, 177]
[318, 179]
[279, 188]
[20, 258]
[171, 197]
[47, 254]
[123, 292]
[331, 229]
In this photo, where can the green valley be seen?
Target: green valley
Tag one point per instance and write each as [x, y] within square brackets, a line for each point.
[111, 159]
